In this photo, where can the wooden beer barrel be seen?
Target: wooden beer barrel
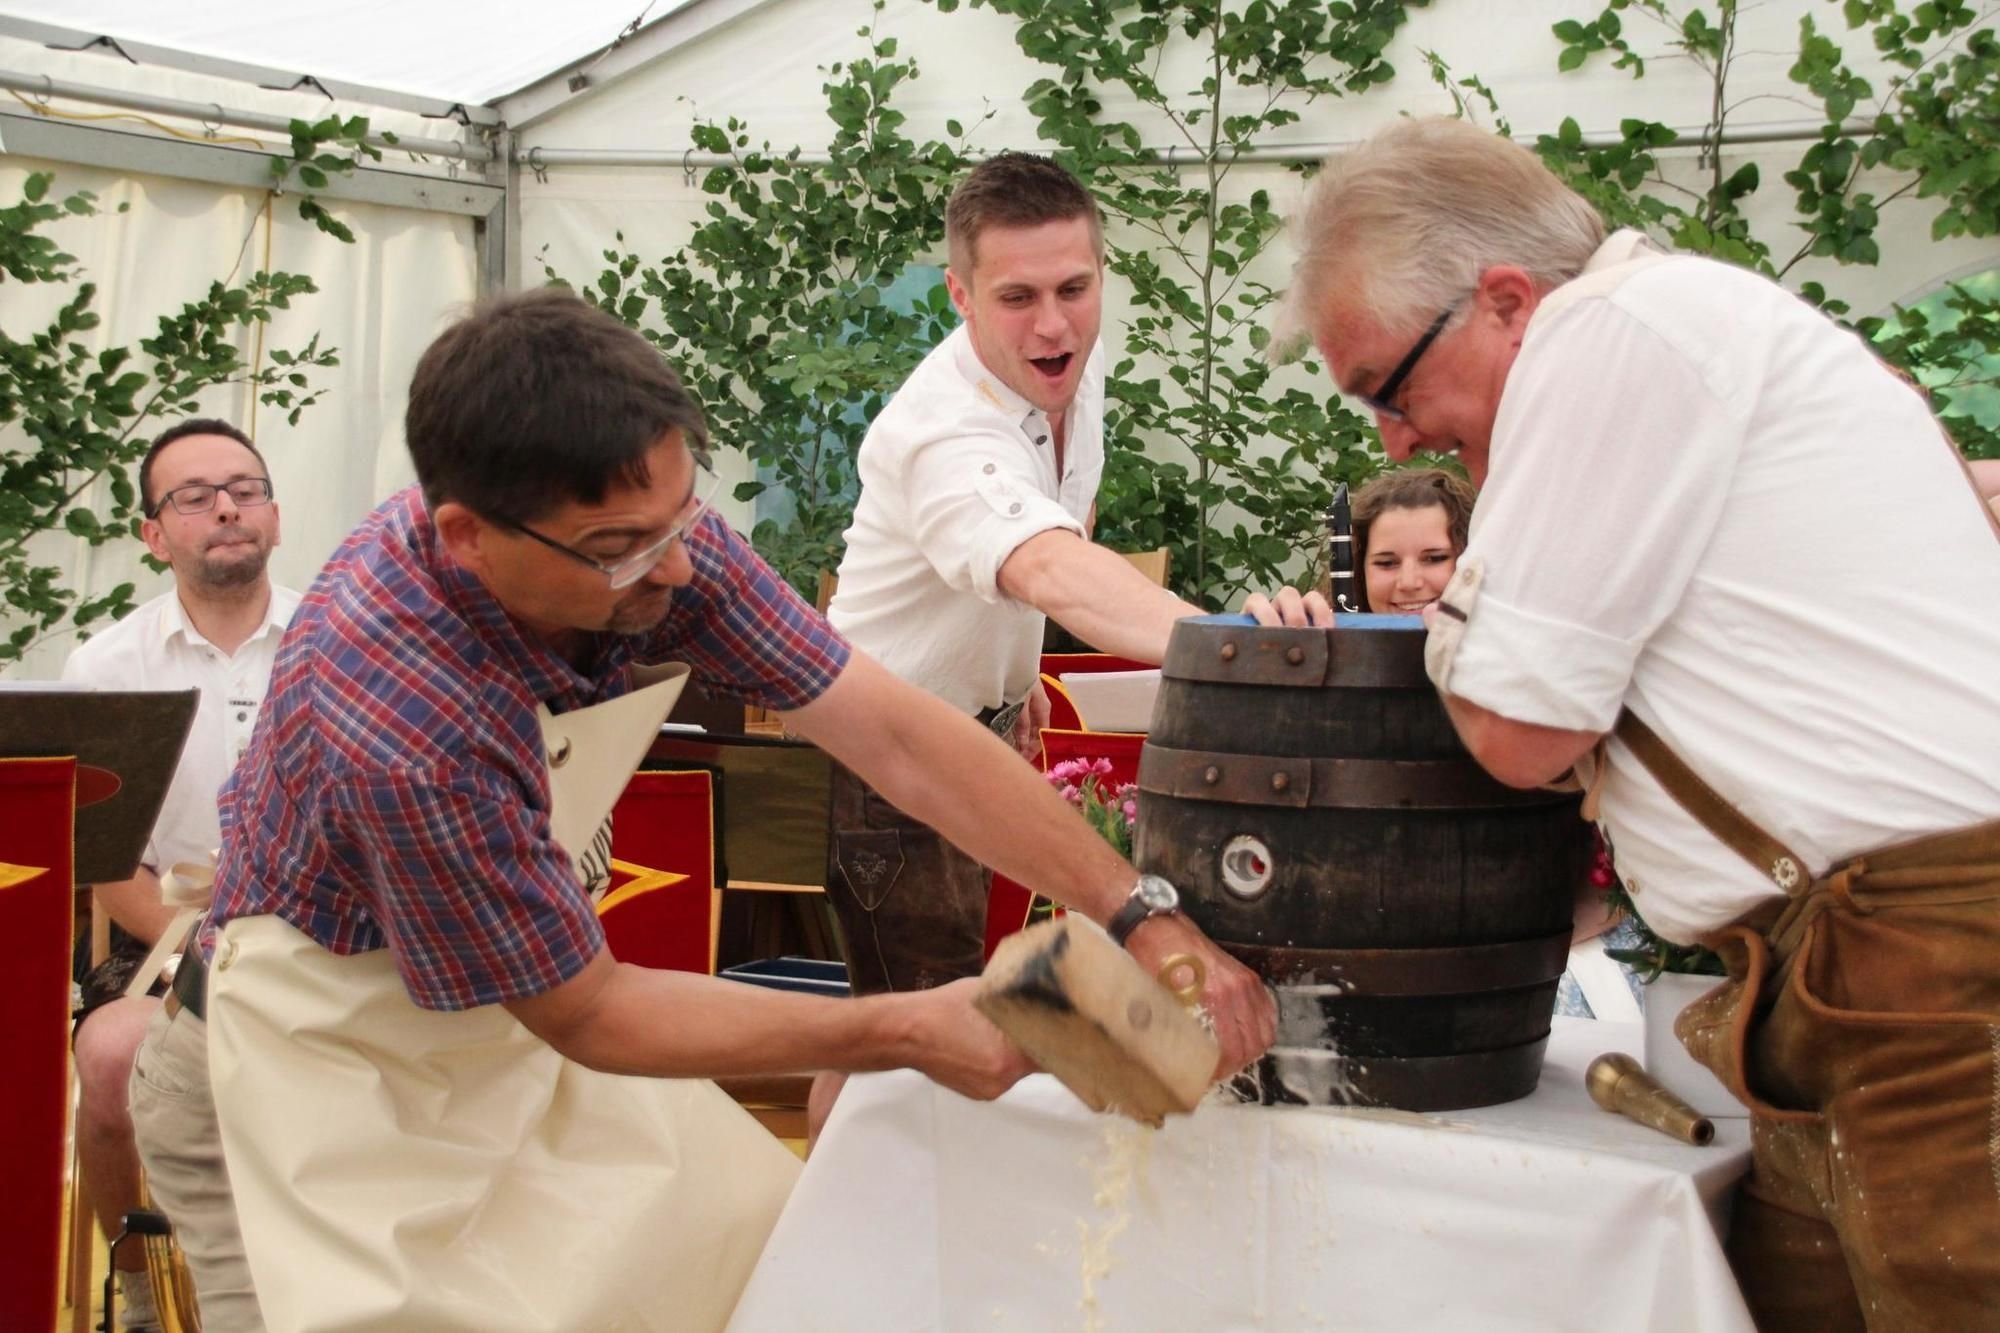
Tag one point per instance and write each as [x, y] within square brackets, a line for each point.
[1305, 791]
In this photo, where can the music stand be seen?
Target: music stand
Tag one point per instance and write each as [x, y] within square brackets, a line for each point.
[127, 745]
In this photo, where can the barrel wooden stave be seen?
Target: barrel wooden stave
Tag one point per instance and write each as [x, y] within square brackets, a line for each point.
[1488, 867]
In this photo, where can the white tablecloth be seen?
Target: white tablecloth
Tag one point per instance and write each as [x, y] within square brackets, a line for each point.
[920, 1210]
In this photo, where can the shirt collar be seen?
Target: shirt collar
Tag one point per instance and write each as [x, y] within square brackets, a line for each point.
[1620, 247]
[1032, 421]
[548, 676]
[174, 619]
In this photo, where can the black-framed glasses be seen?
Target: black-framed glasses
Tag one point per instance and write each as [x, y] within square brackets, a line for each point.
[1383, 399]
[628, 569]
[198, 497]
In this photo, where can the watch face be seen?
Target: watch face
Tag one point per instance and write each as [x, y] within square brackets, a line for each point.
[1157, 894]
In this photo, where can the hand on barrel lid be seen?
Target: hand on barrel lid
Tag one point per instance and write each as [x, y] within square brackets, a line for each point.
[1235, 998]
[1289, 606]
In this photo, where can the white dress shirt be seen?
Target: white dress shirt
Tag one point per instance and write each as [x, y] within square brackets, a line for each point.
[157, 648]
[956, 472]
[1712, 505]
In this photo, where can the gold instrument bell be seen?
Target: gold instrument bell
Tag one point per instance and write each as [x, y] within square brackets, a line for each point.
[1617, 1083]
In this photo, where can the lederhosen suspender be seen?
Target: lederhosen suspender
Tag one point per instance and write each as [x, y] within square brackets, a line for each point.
[1956, 866]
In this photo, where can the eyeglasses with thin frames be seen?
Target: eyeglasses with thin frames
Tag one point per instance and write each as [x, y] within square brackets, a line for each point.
[627, 570]
[198, 497]
[1383, 400]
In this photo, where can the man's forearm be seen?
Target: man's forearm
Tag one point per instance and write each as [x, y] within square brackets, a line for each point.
[1095, 594]
[1520, 754]
[943, 768]
[683, 1025]
[135, 905]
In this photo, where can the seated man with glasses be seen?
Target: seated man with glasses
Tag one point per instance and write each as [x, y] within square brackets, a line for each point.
[444, 1103]
[206, 495]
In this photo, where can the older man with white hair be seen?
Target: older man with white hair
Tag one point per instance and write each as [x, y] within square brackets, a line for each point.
[1691, 559]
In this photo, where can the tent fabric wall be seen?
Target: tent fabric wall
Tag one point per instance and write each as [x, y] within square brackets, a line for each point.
[455, 52]
[767, 69]
[380, 301]
[101, 69]
[384, 297]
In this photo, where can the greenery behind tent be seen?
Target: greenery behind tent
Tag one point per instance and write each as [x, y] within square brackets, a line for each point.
[789, 308]
[778, 309]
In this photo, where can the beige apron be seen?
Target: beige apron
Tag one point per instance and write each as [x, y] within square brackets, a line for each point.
[397, 1168]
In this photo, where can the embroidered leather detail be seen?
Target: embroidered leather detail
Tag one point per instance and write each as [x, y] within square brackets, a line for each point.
[866, 869]
[1993, 1114]
[871, 862]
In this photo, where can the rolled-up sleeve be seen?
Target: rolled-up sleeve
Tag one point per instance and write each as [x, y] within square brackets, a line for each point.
[974, 502]
[479, 904]
[1613, 455]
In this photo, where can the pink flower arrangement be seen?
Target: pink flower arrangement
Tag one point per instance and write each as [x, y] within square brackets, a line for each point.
[1112, 809]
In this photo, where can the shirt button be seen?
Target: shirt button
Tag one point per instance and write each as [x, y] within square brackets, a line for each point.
[242, 717]
[1014, 508]
[989, 469]
[1041, 439]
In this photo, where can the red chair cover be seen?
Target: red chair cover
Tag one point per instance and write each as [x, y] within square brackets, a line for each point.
[1122, 748]
[37, 822]
[1055, 664]
[665, 821]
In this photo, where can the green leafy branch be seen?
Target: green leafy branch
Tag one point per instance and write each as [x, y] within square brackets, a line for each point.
[1936, 123]
[779, 309]
[322, 150]
[1652, 955]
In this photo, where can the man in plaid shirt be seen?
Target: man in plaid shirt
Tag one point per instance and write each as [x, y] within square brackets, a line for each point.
[396, 794]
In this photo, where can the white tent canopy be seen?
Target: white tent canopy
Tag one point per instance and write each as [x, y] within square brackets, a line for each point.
[449, 52]
[543, 132]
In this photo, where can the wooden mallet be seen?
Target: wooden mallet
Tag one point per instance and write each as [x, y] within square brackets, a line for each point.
[1083, 1009]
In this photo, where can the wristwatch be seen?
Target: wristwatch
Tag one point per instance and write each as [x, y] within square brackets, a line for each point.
[1150, 897]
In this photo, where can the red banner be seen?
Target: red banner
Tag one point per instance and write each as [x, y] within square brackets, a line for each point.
[664, 822]
[37, 817]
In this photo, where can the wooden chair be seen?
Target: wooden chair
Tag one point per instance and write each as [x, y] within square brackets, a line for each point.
[1153, 564]
[173, 1287]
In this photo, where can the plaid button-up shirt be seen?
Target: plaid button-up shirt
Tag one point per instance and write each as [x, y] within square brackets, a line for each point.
[395, 793]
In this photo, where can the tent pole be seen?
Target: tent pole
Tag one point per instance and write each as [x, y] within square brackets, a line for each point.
[1784, 132]
[214, 113]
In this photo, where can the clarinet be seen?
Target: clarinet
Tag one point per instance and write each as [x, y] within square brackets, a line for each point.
[1340, 551]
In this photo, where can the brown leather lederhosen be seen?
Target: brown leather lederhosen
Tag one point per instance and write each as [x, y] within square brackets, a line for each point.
[1861, 1026]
